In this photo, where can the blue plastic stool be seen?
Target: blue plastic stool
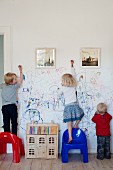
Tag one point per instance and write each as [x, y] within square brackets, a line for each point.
[79, 142]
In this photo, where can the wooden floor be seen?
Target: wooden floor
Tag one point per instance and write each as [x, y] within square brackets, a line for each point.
[75, 163]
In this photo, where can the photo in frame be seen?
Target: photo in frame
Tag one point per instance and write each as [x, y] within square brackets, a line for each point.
[90, 57]
[45, 57]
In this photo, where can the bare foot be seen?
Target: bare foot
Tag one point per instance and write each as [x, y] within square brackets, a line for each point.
[70, 139]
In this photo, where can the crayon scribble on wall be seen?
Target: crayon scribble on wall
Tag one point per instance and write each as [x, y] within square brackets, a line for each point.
[39, 98]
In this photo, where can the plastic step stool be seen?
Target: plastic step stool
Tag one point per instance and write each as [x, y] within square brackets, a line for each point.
[17, 145]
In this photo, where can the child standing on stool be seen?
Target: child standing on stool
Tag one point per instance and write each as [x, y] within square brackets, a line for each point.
[9, 97]
[102, 120]
[72, 110]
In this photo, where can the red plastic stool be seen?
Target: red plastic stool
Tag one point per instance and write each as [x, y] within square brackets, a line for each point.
[17, 145]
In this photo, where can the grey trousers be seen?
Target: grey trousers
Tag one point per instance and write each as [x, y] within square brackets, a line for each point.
[103, 147]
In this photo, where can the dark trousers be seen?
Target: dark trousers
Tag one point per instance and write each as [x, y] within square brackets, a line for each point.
[103, 147]
[10, 113]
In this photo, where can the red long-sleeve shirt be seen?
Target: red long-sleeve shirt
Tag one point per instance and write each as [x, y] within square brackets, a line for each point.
[102, 124]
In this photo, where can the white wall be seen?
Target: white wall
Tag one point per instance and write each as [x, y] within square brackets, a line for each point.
[1, 71]
[67, 26]
[1, 58]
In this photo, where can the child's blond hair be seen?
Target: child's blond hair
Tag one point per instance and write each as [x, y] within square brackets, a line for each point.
[68, 80]
[8, 78]
[101, 108]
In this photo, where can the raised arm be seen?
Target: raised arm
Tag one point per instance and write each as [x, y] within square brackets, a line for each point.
[20, 80]
[95, 118]
[73, 69]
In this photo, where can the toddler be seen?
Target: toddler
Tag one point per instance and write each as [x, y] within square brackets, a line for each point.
[102, 120]
[9, 97]
[72, 110]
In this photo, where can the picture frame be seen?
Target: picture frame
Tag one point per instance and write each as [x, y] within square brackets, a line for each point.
[90, 57]
[45, 57]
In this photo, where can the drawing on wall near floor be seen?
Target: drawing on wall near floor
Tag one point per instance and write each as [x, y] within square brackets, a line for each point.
[90, 57]
[40, 99]
[45, 57]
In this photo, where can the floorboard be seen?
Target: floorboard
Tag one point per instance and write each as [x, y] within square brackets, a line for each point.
[7, 162]
[75, 163]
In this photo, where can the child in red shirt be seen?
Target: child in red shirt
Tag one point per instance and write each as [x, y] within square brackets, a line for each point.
[102, 120]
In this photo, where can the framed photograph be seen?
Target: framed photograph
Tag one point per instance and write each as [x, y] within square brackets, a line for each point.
[90, 57]
[45, 57]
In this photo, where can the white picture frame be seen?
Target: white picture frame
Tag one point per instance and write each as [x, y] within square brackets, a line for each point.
[45, 57]
[90, 57]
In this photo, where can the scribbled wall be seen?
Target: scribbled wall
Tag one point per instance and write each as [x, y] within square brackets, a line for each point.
[67, 26]
[39, 99]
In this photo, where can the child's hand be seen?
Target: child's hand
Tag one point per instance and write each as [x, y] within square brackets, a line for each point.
[72, 63]
[20, 68]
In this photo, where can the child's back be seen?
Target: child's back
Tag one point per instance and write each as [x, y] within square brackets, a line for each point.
[9, 97]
